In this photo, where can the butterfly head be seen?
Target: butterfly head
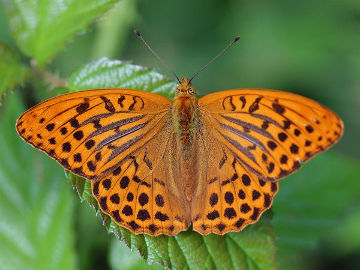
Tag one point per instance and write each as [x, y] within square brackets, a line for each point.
[185, 88]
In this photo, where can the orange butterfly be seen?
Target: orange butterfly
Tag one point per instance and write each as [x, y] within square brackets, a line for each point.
[157, 165]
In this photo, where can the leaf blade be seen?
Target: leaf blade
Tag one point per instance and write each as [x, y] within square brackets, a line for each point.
[35, 204]
[311, 202]
[41, 28]
[12, 72]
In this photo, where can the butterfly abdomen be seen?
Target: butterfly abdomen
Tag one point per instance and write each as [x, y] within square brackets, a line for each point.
[184, 115]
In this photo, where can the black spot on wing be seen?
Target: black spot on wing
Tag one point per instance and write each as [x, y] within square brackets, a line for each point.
[130, 197]
[83, 107]
[229, 197]
[108, 104]
[161, 216]
[66, 147]
[91, 166]
[213, 215]
[243, 101]
[116, 216]
[241, 194]
[230, 213]
[89, 144]
[63, 130]
[115, 198]
[228, 99]
[153, 228]
[77, 157]
[50, 127]
[143, 199]
[106, 183]
[287, 124]
[78, 135]
[309, 129]
[127, 210]
[255, 105]
[213, 200]
[120, 101]
[95, 188]
[294, 149]
[103, 204]
[256, 213]
[143, 215]
[124, 182]
[134, 225]
[136, 99]
[278, 108]
[265, 124]
[74, 122]
[97, 124]
[159, 200]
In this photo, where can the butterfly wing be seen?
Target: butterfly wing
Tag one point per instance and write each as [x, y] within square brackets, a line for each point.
[142, 194]
[89, 132]
[251, 138]
[114, 137]
[272, 132]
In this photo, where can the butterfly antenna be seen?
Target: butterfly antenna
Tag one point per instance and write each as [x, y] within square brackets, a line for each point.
[216, 57]
[156, 55]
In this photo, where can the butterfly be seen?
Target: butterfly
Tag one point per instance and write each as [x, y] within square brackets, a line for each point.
[158, 165]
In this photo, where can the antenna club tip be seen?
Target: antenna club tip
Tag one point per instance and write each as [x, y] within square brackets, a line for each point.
[237, 38]
[137, 33]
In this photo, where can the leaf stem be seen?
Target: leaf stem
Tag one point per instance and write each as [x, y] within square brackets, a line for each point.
[48, 77]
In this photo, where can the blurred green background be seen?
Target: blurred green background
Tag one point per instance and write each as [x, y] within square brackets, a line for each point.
[308, 47]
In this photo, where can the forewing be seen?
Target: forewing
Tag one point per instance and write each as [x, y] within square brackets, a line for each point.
[91, 132]
[270, 132]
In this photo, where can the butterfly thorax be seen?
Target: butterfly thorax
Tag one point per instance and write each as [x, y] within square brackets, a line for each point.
[184, 112]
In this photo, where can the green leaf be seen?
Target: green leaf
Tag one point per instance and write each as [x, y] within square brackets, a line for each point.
[312, 201]
[105, 73]
[252, 248]
[35, 203]
[12, 72]
[41, 28]
[121, 258]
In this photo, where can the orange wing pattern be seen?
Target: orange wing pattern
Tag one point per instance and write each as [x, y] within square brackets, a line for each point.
[251, 138]
[90, 132]
[271, 132]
